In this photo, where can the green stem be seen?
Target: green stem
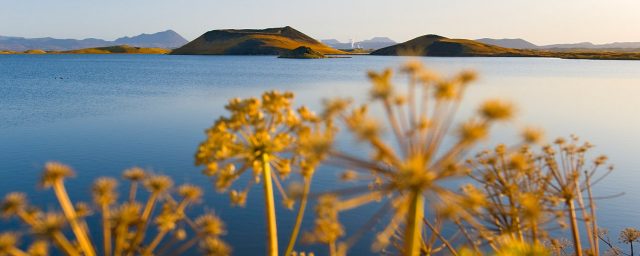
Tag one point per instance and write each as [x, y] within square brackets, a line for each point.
[303, 205]
[413, 230]
[270, 211]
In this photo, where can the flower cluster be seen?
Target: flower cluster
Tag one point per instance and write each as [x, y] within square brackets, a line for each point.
[124, 224]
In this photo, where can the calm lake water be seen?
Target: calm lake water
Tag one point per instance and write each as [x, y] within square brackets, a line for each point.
[104, 113]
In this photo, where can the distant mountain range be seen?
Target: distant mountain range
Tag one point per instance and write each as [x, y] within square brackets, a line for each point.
[270, 41]
[374, 43]
[167, 39]
[518, 43]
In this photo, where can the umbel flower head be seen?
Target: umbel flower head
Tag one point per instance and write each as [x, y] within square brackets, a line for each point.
[256, 136]
[629, 235]
[515, 185]
[55, 172]
[104, 191]
[410, 169]
[254, 129]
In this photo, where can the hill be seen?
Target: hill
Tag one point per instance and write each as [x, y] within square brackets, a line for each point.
[123, 49]
[302, 52]
[166, 39]
[34, 51]
[270, 41]
[434, 45]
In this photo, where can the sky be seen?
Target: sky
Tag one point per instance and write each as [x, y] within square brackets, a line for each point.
[539, 21]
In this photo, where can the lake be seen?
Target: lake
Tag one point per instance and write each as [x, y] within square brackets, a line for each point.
[104, 113]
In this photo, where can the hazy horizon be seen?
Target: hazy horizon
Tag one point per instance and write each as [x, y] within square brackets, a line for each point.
[544, 22]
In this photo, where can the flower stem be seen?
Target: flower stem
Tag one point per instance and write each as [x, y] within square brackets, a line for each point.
[303, 205]
[70, 213]
[270, 211]
[413, 230]
[64, 244]
[142, 226]
[106, 229]
[17, 252]
[574, 227]
[132, 191]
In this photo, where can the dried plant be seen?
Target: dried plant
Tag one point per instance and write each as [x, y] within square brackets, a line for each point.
[420, 119]
[124, 224]
[260, 134]
[531, 193]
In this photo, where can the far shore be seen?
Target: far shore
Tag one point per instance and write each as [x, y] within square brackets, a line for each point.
[586, 55]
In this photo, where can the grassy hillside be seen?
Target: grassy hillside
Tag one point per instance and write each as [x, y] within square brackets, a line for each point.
[302, 52]
[434, 45]
[271, 41]
[125, 49]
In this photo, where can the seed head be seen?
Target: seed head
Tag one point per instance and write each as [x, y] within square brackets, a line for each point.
[127, 214]
[335, 106]
[13, 203]
[446, 90]
[104, 191]
[190, 192]
[382, 88]
[55, 172]
[49, 224]
[212, 246]
[134, 174]
[238, 198]
[532, 135]
[211, 225]
[412, 67]
[158, 183]
[629, 235]
[497, 110]
[472, 131]
[82, 210]
[467, 76]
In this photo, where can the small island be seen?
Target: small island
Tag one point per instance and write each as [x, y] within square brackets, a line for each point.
[302, 52]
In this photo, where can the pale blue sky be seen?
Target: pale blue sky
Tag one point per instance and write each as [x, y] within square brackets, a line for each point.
[540, 21]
